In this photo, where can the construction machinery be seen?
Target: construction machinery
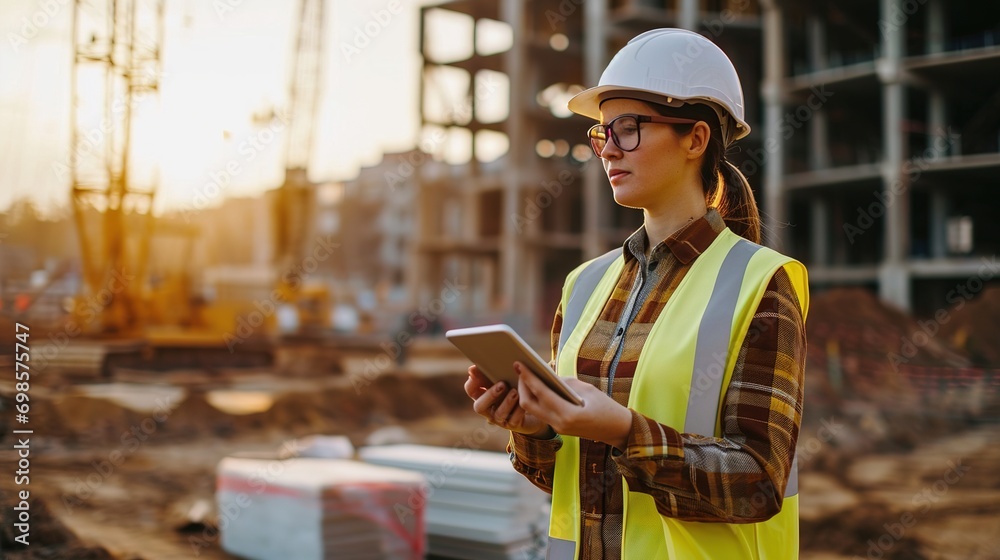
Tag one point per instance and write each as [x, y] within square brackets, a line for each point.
[294, 206]
[116, 63]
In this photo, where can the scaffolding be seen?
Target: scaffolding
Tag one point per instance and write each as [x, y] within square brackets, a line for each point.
[884, 123]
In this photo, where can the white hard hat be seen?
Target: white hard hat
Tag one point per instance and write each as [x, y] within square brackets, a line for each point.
[671, 67]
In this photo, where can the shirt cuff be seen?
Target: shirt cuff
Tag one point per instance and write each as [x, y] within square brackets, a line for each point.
[534, 452]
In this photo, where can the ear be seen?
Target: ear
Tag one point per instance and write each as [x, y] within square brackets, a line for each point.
[698, 140]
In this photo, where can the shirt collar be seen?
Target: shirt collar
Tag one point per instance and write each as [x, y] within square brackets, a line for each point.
[686, 243]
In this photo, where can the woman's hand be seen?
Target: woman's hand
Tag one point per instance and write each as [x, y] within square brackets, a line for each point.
[600, 418]
[499, 406]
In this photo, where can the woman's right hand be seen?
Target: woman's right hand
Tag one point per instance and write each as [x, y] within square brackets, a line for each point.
[499, 405]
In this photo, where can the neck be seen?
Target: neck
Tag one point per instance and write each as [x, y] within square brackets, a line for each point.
[662, 222]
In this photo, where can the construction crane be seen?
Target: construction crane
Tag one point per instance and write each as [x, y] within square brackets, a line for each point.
[116, 61]
[294, 205]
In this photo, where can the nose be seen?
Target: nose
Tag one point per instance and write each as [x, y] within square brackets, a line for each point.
[611, 149]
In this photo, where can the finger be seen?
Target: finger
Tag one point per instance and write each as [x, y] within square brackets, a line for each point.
[505, 407]
[479, 377]
[474, 388]
[484, 404]
[528, 400]
[542, 398]
[516, 418]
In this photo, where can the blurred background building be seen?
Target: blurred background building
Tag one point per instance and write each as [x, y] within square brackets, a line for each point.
[874, 146]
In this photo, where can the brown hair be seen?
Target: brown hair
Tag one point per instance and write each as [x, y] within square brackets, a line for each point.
[724, 185]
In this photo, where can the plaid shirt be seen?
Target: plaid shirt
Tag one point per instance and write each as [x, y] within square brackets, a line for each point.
[690, 477]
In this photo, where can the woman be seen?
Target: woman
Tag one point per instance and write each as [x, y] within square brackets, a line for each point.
[687, 344]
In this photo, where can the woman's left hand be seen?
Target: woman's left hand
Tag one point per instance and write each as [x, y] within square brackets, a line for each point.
[600, 418]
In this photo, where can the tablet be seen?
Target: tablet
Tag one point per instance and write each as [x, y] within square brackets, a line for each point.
[495, 348]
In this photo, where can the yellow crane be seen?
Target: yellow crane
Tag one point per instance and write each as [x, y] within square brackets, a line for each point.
[294, 206]
[117, 48]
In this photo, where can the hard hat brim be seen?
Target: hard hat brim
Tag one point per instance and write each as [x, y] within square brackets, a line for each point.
[588, 103]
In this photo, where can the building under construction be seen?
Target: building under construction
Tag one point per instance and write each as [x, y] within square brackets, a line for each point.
[875, 135]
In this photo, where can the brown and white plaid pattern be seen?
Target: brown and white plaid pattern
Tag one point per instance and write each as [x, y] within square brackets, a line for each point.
[739, 478]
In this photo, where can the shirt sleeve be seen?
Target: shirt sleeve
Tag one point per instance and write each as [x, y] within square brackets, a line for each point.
[536, 458]
[740, 477]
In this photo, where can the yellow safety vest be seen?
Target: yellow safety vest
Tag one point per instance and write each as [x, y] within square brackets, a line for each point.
[680, 381]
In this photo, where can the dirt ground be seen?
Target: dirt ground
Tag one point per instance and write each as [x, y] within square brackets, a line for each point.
[931, 493]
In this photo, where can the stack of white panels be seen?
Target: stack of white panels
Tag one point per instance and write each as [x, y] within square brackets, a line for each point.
[478, 507]
[317, 509]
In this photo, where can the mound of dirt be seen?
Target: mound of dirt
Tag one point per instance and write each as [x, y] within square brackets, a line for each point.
[48, 537]
[975, 328]
[855, 533]
[81, 419]
[858, 343]
[449, 390]
[194, 416]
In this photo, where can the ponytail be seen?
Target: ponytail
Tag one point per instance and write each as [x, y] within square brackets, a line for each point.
[738, 206]
[726, 188]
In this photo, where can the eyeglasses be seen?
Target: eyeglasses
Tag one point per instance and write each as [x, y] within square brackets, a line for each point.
[624, 131]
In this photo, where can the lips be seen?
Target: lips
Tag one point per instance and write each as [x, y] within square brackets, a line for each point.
[614, 174]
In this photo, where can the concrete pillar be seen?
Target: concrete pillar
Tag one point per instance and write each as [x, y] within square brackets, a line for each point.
[687, 17]
[819, 236]
[594, 180]
[939, 224]
[819, 148]
[935, 26]
[512, 255]
[894, 280]
[771, 92]
[937, 117]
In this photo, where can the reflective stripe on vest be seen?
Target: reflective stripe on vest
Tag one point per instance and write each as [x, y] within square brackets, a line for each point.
[721, 287]
[585, 284]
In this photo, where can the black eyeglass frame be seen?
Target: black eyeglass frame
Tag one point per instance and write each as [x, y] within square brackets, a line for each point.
[600, 132]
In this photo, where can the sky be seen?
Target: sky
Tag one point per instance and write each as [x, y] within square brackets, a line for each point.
[223, 62]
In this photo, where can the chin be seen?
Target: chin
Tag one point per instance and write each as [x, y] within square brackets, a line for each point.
[627, 199]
